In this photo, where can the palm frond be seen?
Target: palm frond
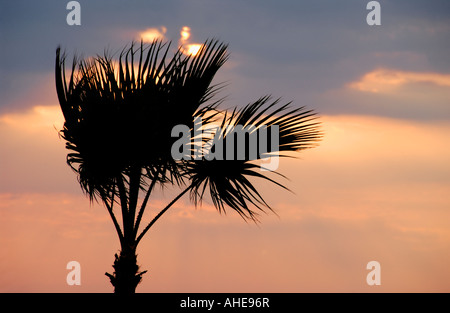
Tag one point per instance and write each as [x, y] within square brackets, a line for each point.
[228, 180]
[119, 114]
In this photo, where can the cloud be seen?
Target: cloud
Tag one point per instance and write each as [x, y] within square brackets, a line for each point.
[375, 189]
[32, 156]
[317, 253]
[384, 80]
[37, 118]
[151, 34]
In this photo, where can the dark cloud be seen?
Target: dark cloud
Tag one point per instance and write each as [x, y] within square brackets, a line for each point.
[295, 49]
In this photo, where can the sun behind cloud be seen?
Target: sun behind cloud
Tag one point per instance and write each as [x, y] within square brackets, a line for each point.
[153, 33]
[185, 34]
[188, 48]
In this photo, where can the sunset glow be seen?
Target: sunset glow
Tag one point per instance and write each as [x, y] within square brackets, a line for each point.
[188, 48]
[385, 80]
[193, 49]
[185, 33]
[395, 215]
[151, 34]
[375, 188]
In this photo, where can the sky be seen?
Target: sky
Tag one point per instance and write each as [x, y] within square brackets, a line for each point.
[377, 188]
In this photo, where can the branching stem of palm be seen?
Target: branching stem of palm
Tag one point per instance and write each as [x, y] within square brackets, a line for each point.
[113, 217]
[135, 181]
[160, 214]
[124, 205]
[143, 206]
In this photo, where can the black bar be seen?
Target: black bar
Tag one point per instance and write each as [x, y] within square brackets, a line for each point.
[222, 302]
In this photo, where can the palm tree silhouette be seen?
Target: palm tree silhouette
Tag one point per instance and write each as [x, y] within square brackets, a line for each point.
[119, 117]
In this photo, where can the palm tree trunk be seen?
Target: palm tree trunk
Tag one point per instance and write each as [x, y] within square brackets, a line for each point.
[126, 274]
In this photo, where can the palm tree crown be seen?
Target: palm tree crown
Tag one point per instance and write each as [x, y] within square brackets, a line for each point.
[119, 121]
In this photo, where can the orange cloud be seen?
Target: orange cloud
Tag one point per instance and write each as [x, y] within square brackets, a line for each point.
[151, 34]
[375, 189]
[385, 80]
[37, 118]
